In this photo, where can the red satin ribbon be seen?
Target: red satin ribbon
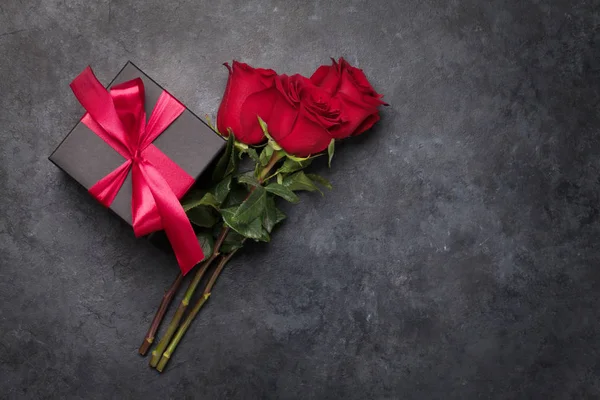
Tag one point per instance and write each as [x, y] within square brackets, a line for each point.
[119, 118]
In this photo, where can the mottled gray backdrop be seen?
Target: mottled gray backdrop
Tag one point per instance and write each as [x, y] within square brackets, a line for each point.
[456, 258]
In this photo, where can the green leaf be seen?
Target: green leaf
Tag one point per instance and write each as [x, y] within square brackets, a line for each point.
[280, 179]
[299, 181]
[232, 242]
[193, 196]
[222, 165]
[265, 156]
[270, 216]
[253, 230]
[280, 216]
[283, 192]
[207, 200]
[222, 190]
[292, 166]
[207, 242]
[237, 195]
[321, 180]
[331, 150]
[248, 177]
[253, 207]
[202, 216]
[252, 154]
[233, 163]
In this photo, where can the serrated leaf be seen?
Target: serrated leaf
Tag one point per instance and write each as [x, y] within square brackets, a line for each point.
[270, 216]
[207, 200]
[253, 207]
[222, 165]
[319, 179]
[248, 177]
[222, 190]
[283, 192]
[330, 151]
[227, 248]
[252, 154]
[232, 242]
[202, 216]
[280, 179]
[237, 195]
[207, 243]
[233, 163]
[292, 166]
[299, 181]
[192, 197]
[253, 230]
[280, 216]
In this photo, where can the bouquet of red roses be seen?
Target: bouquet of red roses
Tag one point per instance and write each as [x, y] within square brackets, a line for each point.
[281, 123]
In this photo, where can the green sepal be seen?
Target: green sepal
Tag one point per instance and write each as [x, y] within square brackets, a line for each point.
[330, 151]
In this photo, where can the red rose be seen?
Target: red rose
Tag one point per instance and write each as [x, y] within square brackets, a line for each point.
[239, 107]
[359, 101]
[301, 115]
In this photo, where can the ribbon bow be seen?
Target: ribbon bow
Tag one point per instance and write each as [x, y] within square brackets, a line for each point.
[119, 118]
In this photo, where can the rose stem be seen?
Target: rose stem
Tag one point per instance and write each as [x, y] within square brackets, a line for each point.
[164, 341]
[158, 352]
[160, 314]
[193, 312]
[183, 328]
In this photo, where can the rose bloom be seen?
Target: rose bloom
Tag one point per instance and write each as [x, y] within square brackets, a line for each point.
[239, 108]
[302, 115]
[359, 101]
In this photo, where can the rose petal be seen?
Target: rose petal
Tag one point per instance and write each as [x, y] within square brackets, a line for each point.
[259, 104]
[305, 138]
[367, 123]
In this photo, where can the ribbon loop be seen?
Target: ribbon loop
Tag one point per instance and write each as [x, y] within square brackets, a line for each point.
[118, 116]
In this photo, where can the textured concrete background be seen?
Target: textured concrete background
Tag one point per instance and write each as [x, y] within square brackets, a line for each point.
[457, 256]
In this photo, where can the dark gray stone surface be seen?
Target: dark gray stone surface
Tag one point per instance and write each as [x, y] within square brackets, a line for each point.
[457, 256]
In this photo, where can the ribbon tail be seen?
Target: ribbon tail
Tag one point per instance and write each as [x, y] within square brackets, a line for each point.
[106, 189]
[175, 222]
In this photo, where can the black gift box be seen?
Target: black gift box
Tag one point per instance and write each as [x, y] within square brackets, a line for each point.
[188, 141]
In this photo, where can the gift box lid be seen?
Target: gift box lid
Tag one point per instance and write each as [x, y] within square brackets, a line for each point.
[188, 141]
